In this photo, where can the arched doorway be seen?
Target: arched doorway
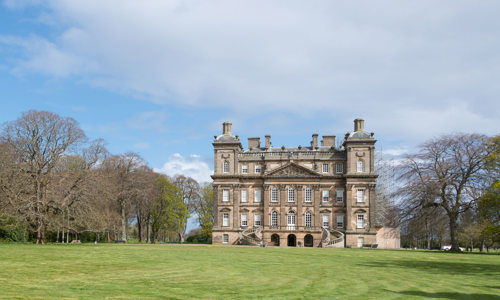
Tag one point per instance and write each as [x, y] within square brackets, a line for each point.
[275, 239]
[292, 240]
[308, 240]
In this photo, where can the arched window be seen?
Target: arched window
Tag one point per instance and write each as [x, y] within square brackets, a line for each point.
[308, 219]
[274, 218]
[226, 167]
[274, 194]
[361, 166]
[291, 195]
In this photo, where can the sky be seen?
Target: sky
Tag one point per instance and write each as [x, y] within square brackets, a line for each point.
[159, 77]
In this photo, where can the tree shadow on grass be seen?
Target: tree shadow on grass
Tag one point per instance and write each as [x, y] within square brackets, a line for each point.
[439, 266]
[446, 295]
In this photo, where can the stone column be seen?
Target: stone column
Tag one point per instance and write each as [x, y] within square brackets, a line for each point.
[299, 198]
[316, 222]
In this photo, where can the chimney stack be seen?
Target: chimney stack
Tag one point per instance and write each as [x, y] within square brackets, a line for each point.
[328, 140]
[226, 128]
[359, 125]
[314, 143]
[253, 143]
[268, 141]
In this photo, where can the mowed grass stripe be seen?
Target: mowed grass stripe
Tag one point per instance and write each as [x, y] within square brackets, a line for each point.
[138, 271]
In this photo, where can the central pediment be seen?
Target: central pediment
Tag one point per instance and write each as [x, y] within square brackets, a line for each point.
[292, 170]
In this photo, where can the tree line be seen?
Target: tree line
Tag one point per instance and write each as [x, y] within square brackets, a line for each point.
[54, 182]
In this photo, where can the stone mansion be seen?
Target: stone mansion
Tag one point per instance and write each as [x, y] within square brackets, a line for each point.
[321, 195]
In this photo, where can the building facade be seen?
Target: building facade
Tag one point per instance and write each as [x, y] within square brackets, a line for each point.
[321, 195]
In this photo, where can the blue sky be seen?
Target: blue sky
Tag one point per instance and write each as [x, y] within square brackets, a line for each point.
[159, 77]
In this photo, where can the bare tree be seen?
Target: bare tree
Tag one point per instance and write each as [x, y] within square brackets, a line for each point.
[39, 139]
[120, 170]
[447, 172]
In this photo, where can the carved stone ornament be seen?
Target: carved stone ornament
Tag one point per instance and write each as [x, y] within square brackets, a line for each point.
[266, 187]
[360, 154]
[293, 170]
[225, 156]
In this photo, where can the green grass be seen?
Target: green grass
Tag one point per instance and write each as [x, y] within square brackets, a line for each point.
[138, 271]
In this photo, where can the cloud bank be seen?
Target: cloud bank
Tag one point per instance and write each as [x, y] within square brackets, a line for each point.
[409, 67]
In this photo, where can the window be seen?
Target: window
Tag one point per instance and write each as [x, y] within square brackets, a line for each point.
[225, 238]
[326, 221]
[325, 168]
[307, 195]
[225, 219]
[326, 195]
[244, 220]
[360, 196]
[257, 195]
[274, 194]
[361, 166]
[361, 221]
[291, 219]
[274, 218]
[340, 221]
[244, 169]
[308, 219]
[226, 167]
[291, 195]
[257, 219]
[244, 195]
[225, 195]
[258, 169]
[340, 196]
[340, 168]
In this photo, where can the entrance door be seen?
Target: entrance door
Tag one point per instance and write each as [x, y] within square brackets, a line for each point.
[275, 239]
[308, 240]
[292, 240]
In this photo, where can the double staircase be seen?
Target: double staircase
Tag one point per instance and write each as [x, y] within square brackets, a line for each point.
[251, 236]
[332, 239]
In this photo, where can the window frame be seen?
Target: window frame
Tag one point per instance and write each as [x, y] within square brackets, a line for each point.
[259, 198]
[257, 220]
[291, 194]
[307, 194]
[360, 223]
[323, 197]
[225, 166]
[325, 168]
[225, 238]
[244, 169]
[308, 219]
[274, 194]
[245, 193]
[327, 217]
[339, 168]
[225, 220]
[341, 221]
[274, 218]
[225, 195]
[360, 166]
[244, 220]
[341, 198]
[258, 169]
[358, 193]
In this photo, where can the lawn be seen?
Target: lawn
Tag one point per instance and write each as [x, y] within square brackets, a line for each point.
[137, 271]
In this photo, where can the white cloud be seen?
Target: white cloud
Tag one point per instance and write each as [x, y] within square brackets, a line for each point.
[395, 63]
[192, 166]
